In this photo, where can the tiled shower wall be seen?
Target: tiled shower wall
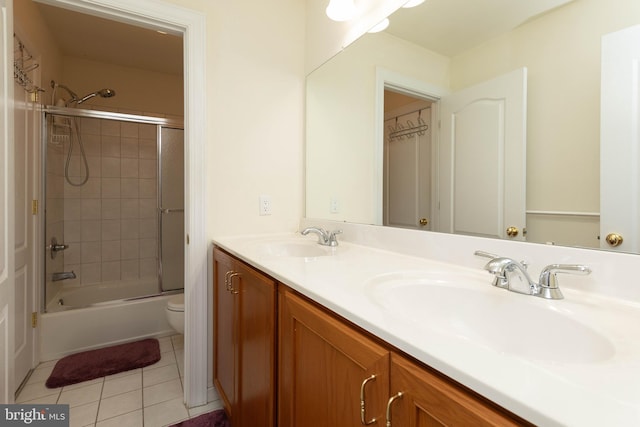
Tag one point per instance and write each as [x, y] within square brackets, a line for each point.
[110, 222]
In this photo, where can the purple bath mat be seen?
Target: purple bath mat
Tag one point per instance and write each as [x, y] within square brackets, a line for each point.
[92, 364]
[210, 419]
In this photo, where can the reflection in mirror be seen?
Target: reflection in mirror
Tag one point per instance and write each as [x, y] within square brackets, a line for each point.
[561, 51]
[407, 161]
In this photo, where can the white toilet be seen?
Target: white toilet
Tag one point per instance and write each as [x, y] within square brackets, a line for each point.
[175, 312]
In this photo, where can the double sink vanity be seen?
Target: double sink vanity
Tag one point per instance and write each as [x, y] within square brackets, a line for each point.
[421, 334]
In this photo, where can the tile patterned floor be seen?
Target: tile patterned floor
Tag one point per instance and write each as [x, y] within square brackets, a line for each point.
[146, 397]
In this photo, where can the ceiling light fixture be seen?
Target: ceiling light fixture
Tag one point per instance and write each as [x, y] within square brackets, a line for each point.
[412, 3]
[381, 26]
[341, 10]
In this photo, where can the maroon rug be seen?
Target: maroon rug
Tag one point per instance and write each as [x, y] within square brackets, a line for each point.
[210, 419]
[104, 361]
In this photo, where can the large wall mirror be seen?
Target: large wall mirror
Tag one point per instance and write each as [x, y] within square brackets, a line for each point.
[366, 99]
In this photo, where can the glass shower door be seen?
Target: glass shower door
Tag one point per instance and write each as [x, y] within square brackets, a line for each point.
[171, 208]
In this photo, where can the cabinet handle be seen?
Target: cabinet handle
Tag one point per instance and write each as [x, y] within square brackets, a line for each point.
[363, 418]
[389, 403]
[231, 288]
[226, 279]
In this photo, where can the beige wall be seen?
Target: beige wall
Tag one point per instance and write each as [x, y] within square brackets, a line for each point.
[32, 30]
[255, 112]
[137, 91]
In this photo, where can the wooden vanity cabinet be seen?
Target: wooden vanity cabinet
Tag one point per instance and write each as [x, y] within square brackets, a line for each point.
[323, 362]
[244, 325]
[322, 366]
[428, 399]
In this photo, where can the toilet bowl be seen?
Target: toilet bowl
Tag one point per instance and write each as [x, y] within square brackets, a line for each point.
[175, 313]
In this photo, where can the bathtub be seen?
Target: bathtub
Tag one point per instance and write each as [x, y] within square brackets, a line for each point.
[89, 317]
[102, 293]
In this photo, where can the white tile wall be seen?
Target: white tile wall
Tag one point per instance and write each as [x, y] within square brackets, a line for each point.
[110, 222]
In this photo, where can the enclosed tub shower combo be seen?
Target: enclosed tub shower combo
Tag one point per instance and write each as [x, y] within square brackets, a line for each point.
[114, 225]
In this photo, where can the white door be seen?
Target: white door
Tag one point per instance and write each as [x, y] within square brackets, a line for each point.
[482, 178]
[25, 113]
[620, 139]
[7, 379]
[407, 167]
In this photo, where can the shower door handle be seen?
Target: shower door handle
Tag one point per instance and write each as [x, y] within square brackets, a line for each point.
[168, 211]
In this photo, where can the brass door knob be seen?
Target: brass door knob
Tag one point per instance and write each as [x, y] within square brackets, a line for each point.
[512, 231]
[423, 221]
[614, 239]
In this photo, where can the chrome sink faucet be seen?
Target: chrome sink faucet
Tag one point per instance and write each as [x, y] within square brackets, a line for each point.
[325, 238]
[504, 269]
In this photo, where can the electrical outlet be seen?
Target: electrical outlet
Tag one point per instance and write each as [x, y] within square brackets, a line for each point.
[334, 206]
[265, 205]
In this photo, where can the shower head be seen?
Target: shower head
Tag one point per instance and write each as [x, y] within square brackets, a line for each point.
[104, 93]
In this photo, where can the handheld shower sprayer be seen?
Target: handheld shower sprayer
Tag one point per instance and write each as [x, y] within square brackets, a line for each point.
[103, 93]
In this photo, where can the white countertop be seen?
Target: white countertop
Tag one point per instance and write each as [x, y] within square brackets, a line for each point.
[546, 391]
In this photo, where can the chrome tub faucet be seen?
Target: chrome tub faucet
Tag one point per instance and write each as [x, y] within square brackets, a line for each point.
[63, 276]
[325, 238]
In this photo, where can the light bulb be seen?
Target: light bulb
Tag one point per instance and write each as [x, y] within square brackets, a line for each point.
[341, 10]
[412, 3]
[381, 26]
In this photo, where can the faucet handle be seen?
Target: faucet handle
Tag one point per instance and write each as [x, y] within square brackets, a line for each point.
[332, 240]
[549, 282]
[486, 254]
[548, 275]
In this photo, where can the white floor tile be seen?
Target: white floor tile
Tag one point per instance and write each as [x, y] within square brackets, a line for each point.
[180, 361]
[44, 400]
[130, 419]
[119, 385]
[83, 384]
[81, 395]
[151, 375]
[36, 391]
[178, 342]
[168, 358]
[40, 374]
[120, 404]
[83, 415]
[162, 392]
[165, 413]
[209, 407]
[124, 374]
[165, 344]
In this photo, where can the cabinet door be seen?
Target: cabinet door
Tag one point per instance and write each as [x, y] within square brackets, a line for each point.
[224, 332]
[322, 366]
[430, 400]
[256, 335]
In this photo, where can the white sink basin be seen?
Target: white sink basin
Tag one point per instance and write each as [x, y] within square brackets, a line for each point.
[295, 249]
[468, 307]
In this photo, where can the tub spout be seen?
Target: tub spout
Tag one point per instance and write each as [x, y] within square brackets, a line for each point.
[63, 276]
